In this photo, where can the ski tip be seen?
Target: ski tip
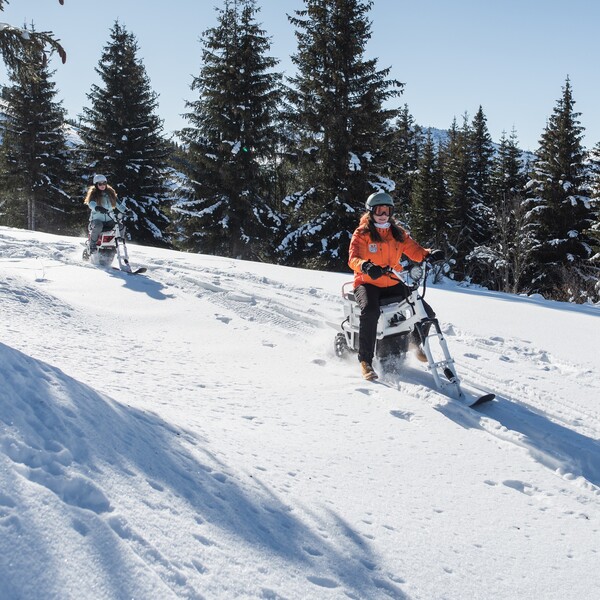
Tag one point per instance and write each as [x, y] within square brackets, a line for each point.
[129, 271]
[482, 400]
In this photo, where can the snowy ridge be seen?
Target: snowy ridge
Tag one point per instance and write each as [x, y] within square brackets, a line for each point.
[190, 434]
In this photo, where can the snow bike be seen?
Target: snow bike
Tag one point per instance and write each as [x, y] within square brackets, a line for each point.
[400, 316]
[111, 243]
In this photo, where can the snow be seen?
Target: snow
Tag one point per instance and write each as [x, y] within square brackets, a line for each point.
[190, 434]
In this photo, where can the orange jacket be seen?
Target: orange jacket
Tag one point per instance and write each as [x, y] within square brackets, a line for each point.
[387, 253]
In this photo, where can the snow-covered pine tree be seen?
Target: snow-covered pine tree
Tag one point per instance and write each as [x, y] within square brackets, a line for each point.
[429, 205]
[14, 41]
[506, 257]
[342, 131]
[123, 140]
[232, 140]
[482, 152]
[458, 171]
[404, 156]
[35, 175]
[560, 201]
[481, 210]
[595, 189]
[591, 272]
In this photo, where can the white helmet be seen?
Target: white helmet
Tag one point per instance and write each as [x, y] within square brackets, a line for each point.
[99, 179]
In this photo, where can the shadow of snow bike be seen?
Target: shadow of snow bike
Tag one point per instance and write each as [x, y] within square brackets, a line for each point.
[111, 243]
[399, 317]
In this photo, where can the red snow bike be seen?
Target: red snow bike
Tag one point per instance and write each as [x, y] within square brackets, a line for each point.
[111, 243]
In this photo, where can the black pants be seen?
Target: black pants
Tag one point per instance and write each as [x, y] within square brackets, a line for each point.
[368, 298]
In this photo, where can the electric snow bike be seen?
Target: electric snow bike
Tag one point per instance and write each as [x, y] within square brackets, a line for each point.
[400, 316]
[111, 243]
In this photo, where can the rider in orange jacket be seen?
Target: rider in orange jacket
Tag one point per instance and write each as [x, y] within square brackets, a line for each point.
[378, 243]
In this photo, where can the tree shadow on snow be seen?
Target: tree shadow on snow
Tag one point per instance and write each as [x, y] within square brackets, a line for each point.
[95, 456]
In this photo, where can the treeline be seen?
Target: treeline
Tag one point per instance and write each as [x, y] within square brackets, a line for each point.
[278, 169]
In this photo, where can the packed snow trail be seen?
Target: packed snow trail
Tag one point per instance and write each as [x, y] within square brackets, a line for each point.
[190, 434]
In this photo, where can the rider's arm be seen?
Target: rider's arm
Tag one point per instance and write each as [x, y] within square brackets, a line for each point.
[358, 252]
[413, 250]
[120, 206]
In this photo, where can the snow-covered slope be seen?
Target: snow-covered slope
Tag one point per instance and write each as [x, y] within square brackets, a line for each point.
[190, 434]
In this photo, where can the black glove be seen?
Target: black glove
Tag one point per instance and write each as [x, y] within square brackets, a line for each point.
[101, 209]
[436, 256]
[373, 271]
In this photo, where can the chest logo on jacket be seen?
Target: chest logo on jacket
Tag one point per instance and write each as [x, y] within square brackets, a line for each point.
[372, 247]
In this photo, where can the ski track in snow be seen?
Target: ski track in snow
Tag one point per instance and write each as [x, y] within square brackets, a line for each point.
[560, 434]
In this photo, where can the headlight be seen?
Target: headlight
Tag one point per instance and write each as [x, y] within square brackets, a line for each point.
[416, 273]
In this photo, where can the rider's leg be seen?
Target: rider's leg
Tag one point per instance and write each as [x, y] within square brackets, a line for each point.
[367, 296]
[95, 229]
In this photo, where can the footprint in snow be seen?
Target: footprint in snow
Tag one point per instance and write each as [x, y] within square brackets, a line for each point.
[155, 485]
[401, 414]
[312, 551]
[365, 391]
[520, 486]
[323, 582]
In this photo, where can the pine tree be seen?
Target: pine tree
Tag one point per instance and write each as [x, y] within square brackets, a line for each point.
[481, 215]
[404, 157]
[459, 174]
[342, 130]
[25, 51]
[506, 257]
[593, 271]
[563, 209]
[467, 158]
[35, 157]
[482, 153]
[232, 140]
[123, 137]
[429, 208]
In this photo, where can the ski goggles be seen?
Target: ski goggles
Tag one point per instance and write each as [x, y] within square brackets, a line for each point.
[383, 210]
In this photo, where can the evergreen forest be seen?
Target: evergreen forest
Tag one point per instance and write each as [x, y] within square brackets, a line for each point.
[277, 169]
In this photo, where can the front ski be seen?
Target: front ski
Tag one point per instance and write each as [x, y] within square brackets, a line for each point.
[482, 400]
[137, 271]
[471, 399]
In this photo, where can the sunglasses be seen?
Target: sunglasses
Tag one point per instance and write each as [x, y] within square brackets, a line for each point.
[380, 211]
[101, 183]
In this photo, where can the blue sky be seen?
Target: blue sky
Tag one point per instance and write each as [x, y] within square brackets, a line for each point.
[512, 57]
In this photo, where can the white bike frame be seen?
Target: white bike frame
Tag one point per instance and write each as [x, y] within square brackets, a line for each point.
[406, 315]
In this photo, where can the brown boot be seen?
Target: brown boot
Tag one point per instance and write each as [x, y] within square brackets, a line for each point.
[418, 352]
[367, 370]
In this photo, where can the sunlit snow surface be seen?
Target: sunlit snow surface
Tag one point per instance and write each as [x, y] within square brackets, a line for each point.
[190, 434]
